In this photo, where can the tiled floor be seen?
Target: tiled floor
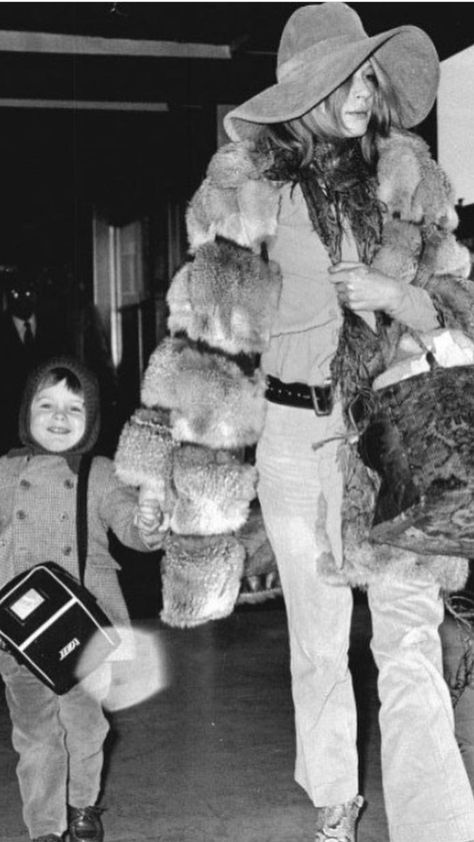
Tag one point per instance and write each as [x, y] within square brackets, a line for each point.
[210, 757]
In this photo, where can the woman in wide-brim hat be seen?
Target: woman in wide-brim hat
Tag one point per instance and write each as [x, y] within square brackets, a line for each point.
[313, 223]
[320, 48]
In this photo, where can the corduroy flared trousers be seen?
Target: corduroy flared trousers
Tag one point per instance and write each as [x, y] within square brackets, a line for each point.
[426, 789]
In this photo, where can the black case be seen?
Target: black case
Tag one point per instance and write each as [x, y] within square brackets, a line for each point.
[47, 619]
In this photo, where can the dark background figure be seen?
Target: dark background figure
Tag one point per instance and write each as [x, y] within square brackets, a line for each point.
[45, 314]
[41, 319]
[61, 290]
[30, 331]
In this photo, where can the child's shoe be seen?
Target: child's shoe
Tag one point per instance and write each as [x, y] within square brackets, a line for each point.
[338, 824]
[85, 824]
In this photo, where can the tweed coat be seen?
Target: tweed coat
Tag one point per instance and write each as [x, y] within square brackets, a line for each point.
[206, 375]
[38, 522]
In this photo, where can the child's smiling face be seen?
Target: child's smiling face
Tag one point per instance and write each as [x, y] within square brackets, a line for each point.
[57, 417]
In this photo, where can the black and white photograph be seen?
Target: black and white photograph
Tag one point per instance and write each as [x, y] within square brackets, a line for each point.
[237, 422]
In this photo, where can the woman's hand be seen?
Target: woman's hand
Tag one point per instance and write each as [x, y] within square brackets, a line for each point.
[360, 287]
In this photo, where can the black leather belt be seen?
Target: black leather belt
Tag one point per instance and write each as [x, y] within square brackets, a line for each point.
[318, 398]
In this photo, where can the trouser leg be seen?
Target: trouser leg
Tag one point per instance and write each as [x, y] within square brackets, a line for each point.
[38, 737]
[427, 792]
[291, 477]
[464, 730]
[457, 644]
[86, 728]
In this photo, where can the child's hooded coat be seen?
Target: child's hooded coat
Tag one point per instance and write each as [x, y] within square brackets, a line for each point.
[38, 506]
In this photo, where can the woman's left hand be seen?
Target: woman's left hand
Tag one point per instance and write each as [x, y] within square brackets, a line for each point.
[360, 287]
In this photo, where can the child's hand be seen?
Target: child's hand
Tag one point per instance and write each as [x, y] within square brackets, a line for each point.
[151, 521]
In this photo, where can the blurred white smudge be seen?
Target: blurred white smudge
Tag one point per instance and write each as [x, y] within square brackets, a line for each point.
[140, 669]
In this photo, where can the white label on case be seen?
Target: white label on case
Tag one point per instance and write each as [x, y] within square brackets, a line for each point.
[27, 603]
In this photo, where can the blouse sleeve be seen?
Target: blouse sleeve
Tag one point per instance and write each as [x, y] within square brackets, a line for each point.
[416, 310]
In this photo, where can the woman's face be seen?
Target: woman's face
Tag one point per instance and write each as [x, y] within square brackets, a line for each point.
[356, 110]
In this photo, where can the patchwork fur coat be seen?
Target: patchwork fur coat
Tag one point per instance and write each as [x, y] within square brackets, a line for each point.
[203, 390]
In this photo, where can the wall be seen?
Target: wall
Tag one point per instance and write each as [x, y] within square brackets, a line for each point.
[455, 112]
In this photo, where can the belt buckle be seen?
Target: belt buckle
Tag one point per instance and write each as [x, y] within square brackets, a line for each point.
[322, 398]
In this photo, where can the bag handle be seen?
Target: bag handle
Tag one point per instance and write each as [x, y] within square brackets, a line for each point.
[430, 357]
[81, 514]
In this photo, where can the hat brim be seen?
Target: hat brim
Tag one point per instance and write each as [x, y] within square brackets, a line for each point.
[406, 54]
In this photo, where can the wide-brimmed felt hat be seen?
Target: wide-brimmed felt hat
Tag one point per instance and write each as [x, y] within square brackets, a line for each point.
[323, 45]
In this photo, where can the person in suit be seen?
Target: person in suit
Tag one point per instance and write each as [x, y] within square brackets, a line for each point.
[30, 332]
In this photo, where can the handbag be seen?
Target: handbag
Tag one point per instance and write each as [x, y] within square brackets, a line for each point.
[418, 435]
[50, 622]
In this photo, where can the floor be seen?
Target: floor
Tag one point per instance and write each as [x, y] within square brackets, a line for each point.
[209, 756]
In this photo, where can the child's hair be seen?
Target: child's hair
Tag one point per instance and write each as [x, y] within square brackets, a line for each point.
[57, 375]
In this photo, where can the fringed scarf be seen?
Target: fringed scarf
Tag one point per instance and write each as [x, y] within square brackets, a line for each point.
[340, 191]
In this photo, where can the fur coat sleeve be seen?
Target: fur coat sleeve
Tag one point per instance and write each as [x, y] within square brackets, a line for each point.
[203, 391]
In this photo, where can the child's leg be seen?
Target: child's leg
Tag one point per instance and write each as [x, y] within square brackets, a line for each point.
[457, 662]
[38, 737]
[86, 728]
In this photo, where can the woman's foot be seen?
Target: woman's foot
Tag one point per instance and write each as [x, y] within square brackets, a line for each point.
[338, 824]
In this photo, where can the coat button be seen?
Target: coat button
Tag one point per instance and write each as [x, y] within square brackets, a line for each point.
[21, 515]
[68, 483]
[67, 550]
[25, 484]
[64, 516]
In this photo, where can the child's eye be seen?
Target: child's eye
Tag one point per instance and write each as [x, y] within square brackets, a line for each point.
[77, 409]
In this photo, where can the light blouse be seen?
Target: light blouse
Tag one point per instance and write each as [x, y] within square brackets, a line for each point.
[306, 330]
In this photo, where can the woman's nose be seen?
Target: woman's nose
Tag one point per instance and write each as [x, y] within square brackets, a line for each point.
[361, 89]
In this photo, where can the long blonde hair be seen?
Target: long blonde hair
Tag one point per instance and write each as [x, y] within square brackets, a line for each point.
[297, 138]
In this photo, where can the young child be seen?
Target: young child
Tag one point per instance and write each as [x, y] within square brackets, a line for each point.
[60, 739]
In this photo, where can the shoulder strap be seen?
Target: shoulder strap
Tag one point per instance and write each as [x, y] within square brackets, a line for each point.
[81, 513]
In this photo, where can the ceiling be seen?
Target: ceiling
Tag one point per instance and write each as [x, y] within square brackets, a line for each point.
[57, 159]
[251, 31]
[255, 27]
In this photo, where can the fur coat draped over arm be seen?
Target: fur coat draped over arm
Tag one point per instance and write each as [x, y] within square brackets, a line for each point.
[203, 390]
